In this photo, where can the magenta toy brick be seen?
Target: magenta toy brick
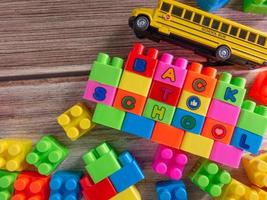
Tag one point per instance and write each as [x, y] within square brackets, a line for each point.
[169, 72]
[226, 154]
[169, 162]
[99, 93]
[223, 112]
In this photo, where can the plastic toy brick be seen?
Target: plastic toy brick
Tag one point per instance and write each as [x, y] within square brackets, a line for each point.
[130, 194]
[97, 159]
[194, 103]
[217, 131]
[159, 111]
[47, 155]
[103, 190]
[130, 102]
[138, 125]
[106, 70]
[258, 90]
[256, 169]
[212, 5]
[200, 80]
[169, 162]
[135, 83]
[99, 93]
[7, 180]
[108, 116]
[142, 64]
[76, 121]
[246, 140]
[65, 185]
[128, 175]
[253, 118]
[167, 135]
[31, 185]
[261, 193]
[197, 145]
[171, 73]
[13, 153]
[209, 177]
[171, 190]
[164, 93]
[188, 121]
[223, 112]
[253, 6]
[230, 90]
[219, 152]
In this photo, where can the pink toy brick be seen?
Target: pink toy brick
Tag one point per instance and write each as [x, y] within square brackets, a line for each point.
[172, 74]
[223, 112]
[226, 154]
[99, 93]
[169, 162]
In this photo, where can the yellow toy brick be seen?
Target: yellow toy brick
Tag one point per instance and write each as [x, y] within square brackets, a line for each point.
[197, 145]
[130, 194]
[76, 121]
[13, 153]
[256, 169]
[194, 103]
[135, 83]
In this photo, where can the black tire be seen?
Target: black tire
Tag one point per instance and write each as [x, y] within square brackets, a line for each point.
[141, 24]
[223, 53]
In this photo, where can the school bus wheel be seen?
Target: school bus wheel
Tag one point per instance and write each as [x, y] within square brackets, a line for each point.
[141, 24]
[223, 53]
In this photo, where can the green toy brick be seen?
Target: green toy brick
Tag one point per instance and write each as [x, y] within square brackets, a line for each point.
[47, 155]
[255, 6]
[253, 118]
[7, 180]
[101, 162]
[230, 90]
[209, 177]
[108, 116]
[159, 111]
[107, 71]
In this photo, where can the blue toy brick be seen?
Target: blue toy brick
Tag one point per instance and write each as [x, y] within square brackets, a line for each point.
[138, 125]
[171, 190]
[128, 175]
[246, 140]
[188, 121]
[65, 185]
[212, 5]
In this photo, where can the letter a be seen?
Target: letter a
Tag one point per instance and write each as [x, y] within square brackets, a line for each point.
[169, 73]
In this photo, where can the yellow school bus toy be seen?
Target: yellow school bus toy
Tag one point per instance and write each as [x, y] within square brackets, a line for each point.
[223, 39]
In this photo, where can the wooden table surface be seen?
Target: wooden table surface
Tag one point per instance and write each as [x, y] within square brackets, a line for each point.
[46, 48]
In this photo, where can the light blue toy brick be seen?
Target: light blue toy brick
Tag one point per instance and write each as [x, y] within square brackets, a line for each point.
[65, 185]
[246, 140]
[128, 175]
[138, 125]
[212, 5]
[171, 190]
[188, 121]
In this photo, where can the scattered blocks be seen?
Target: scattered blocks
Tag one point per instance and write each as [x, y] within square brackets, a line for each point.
[128, 175]
[209, 177]
[97, 159]
[7, 180]
[169, 162]
[31, 185]
[171, 190]
[47, 155]
[65, 185]
[76, 121]
[258, 90]
[212, 5]
[253, 6]
[130, 193]
[13, 153]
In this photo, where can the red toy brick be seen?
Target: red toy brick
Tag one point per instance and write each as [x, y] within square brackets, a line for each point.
[139, 63]
[258, 91]
[31, 186]
[164, 93]
[103, 190]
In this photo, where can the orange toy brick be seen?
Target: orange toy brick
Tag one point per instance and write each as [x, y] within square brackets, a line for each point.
[200, 80]
[258, 91]
[31, 186]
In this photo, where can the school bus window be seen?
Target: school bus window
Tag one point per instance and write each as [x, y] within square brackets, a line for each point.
[252, 37]
[177, 11]
[243, 34]
[234, 31]
[197, 18]
[188, 14]
[206, 21]
[225, 28]
[165, 7]
[215, 24]
[261, 40]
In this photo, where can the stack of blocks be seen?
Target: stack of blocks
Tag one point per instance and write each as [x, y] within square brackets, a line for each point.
[112, 173]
